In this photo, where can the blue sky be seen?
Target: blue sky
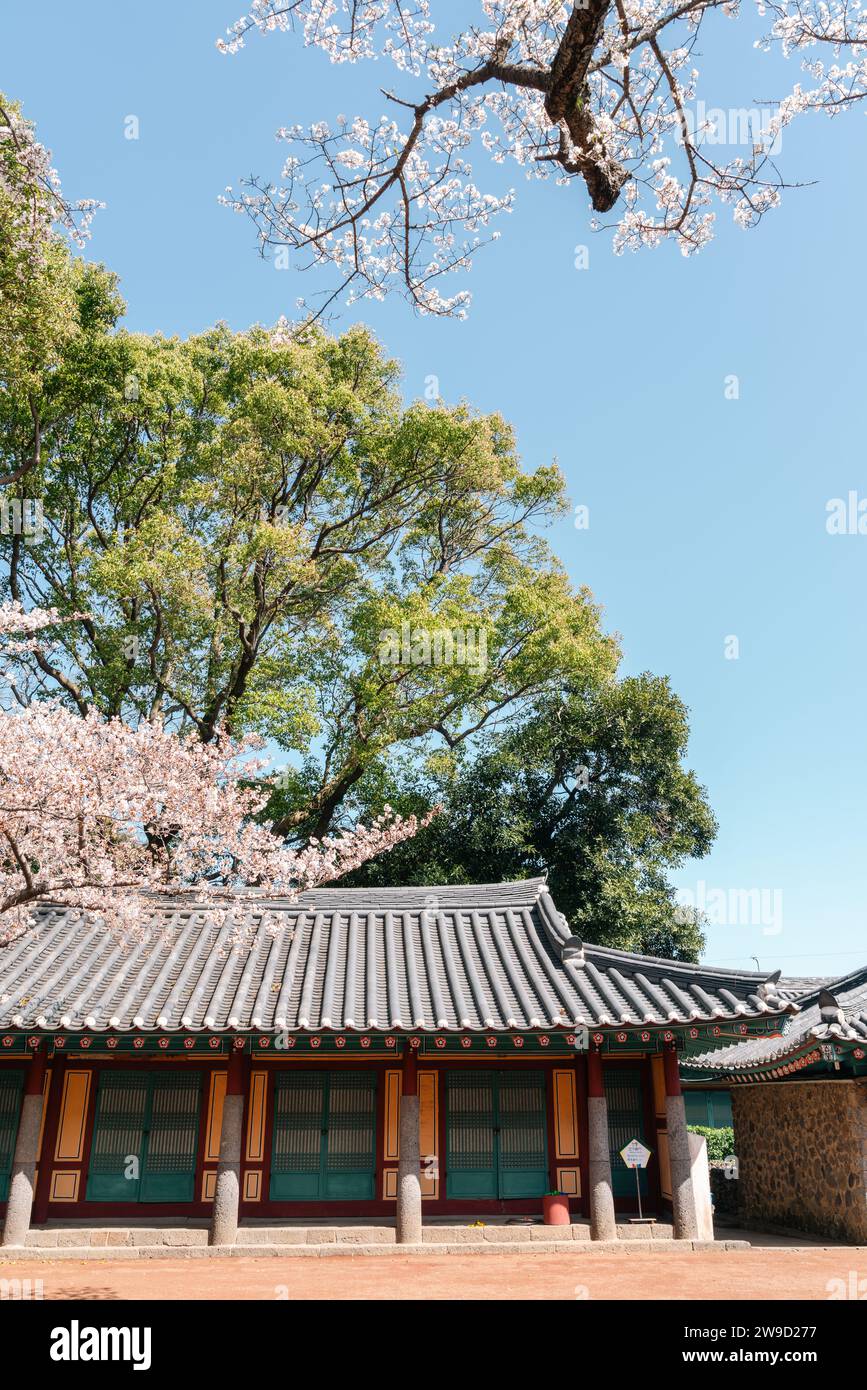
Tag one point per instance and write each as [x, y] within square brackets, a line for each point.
[707, 515]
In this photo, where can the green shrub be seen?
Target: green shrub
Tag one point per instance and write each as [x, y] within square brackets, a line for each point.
[720, 1142]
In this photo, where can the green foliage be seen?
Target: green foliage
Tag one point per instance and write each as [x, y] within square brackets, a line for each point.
[589, 789]
[720, 1142]
[243, 516]
[264, 537]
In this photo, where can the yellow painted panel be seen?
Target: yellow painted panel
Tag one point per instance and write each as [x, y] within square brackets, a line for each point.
[428, 1125]
[565, 1114]
[44, 1108]
[657, 1071]
[389, 1184]
[253, 1185]
[73, 1118]
[64, 1186]
[569, 1181]
[215, 1116]
[256, 1119]
[209, 1185]
[392, 1115]
[664, 1164]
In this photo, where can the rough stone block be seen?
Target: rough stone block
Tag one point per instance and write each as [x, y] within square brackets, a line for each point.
[627, 1232]
[549, 1234]
[43, 1239]
[507, 1235]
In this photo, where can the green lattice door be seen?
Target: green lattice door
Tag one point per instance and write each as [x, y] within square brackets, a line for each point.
[145, 1138]
[324, 1144]
[625, 1097]
[496, 1134]
[11, 1083]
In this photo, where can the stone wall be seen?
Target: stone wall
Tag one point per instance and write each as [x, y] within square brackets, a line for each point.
[802, 1155]
[726, 1193]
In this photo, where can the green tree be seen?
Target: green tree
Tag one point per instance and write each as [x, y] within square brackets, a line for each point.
[246, 517]
[591, 790]
[262, 536]
[37, 288]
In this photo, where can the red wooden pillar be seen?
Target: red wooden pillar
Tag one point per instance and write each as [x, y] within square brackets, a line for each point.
[582, 1091]
[671, 1071]
[235, 1074]
[34, 1084]
[595, 1085]
[409, 1072]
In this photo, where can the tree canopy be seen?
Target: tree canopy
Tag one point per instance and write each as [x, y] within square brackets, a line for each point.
[245, 518]
[37, 290]
[590, 790]
[252, 535]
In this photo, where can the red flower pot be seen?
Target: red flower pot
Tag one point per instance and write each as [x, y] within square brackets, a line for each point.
[555, 1209]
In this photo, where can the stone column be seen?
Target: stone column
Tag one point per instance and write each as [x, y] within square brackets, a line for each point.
[680, 1160]
[227, 1194]
[21, 1186]
[53, 1107]
[409, 1164]
[603, 1223]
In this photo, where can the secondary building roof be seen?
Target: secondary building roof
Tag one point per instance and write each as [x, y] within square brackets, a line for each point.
[834, 1012]
[487, 957]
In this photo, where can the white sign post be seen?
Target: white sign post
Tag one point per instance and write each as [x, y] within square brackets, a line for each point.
[636, 1155]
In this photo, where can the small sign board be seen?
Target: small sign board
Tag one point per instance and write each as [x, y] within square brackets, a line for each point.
[635, 1154]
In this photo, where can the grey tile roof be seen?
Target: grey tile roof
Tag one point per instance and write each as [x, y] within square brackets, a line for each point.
[495, 956]
[817, 1022]
[797, 985]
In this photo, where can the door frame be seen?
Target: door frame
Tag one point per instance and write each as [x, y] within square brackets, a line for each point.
[324, 1128]
[153, 1078]
[497, 1073]
[440, 1206]
[61, 1063]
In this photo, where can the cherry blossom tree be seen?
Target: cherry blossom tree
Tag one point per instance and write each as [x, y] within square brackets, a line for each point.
[106, 818]
[32, 202]
[18, 635]
[598, 92]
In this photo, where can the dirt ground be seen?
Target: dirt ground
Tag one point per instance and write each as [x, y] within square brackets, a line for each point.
[787, 1273]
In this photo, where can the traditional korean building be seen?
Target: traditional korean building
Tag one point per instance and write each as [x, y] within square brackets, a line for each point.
[799, 1111]
[410, 1052]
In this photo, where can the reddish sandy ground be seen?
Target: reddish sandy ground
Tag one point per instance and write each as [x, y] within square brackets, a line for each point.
[800, 1273]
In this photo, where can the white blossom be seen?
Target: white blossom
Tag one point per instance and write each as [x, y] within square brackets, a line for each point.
[595, 93]
[103, 817]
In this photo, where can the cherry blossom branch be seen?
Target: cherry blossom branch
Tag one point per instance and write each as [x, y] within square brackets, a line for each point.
[102, 817]
[597, 92]
[33, 189]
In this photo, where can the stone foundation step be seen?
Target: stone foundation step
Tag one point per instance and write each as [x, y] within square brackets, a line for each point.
[110, 1237]
[184, 1237]
[9, 1256]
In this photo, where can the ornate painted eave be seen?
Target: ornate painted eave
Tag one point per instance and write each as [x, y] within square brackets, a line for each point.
[445, 963]
[829, 1031]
